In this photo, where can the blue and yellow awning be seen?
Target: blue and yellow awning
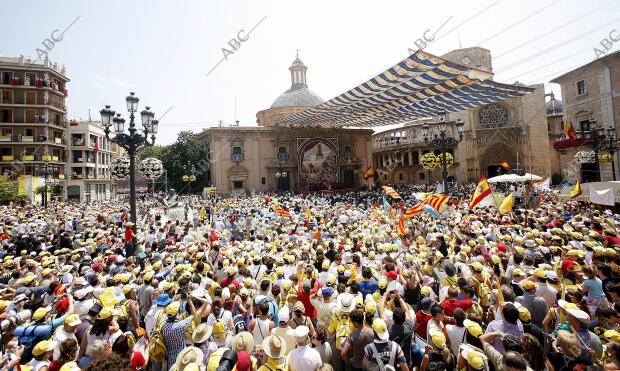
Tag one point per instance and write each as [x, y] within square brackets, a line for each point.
[418, 87]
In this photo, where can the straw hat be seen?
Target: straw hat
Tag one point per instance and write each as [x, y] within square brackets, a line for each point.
[188, 355]
[202, 333]
[274, 346]
[243, 342]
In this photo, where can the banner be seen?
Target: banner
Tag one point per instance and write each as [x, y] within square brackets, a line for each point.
[602, 197]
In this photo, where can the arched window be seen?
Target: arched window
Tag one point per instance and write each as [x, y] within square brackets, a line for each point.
[348, 153]
[493, 116]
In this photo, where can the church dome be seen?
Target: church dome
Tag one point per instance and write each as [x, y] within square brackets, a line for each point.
[554, 107]
[298, 94]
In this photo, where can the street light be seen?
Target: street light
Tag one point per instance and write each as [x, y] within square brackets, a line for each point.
[442, 141]
[599, 142]
[281, 173]
[131, 142]
[46, 174]
[191, 177]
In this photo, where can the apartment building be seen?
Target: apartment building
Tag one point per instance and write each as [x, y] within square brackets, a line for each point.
[32, 117]
[88, 162]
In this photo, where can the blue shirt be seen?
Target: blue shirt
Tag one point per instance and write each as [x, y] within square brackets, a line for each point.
[368, 287]
[39, 330]
[595, 287]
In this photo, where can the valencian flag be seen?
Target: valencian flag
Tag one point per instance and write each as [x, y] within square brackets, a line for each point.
[505, 165]
[390, 191]
[436, 201]
[369, 173]
[400, 227]
[482, 190]
[568, 129]
[280, 211]
[577, 191]
[386, 206]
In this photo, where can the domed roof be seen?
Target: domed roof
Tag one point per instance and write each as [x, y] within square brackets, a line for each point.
[554, 107]
[298, 94]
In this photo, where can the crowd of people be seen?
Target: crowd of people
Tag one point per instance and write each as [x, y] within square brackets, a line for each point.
[306, 282]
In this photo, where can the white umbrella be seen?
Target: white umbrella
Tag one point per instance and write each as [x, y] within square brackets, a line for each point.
[510, 178]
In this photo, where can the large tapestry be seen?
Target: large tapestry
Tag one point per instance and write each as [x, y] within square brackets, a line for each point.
[318, 162]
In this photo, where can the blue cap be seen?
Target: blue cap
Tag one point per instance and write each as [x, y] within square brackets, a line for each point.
[327, 291]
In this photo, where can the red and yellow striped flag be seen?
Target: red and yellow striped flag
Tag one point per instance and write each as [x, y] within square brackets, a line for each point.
[400, 227]
[390, 191]
[414, 210]
[436, 201]
[280, 211]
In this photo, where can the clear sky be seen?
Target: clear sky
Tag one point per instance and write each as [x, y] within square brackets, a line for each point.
[162, 50]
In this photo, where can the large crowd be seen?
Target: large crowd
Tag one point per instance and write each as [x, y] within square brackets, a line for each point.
[306, 282]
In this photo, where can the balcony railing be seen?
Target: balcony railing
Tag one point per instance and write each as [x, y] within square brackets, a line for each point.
[30, 139]
[8, 158]
[33, 121]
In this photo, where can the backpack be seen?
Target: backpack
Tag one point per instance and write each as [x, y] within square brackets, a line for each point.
[343, 330]
[123, 309]
[29, 340]
[378, 365]
[158, 351]
[239, 323]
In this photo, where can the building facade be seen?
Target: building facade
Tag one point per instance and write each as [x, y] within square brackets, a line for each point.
[33, 121]
[88, 163]
[276, 158]
[589, 92]
[514, 130]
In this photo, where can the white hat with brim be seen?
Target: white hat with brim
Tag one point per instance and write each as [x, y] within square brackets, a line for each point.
[189, 355]
[201, 333]
[274, 346]
[346, 303]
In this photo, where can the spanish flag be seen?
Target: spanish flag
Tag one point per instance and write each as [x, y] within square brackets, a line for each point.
[577, 191]
[482, 190]
[400, 227]
[568, 129]
[505, 165]
[390, 191]
[369, 173]
[507, 204]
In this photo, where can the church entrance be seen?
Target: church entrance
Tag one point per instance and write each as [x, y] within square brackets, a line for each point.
[348, 179]
[284, 183]
[493, 156]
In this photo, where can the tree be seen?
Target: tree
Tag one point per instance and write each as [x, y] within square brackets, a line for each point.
[175, 156]
[9, 191]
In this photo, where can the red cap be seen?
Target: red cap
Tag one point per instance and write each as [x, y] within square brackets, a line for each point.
[111, 258]
[391, 275]
[96, 266]
[501, 247]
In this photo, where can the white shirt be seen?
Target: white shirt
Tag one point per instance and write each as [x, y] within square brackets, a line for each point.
[457, 337]
[82, 307]
[150, 319]
[304, 358]
[61, 335]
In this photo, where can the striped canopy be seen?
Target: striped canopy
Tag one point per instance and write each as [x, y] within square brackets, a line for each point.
[418, 87]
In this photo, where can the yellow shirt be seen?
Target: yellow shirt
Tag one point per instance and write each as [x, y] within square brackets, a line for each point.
[273, 364]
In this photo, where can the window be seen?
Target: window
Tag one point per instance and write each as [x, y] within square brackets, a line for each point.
[348, 153]
[493, 116]
[7, 97]
[7, 77]
[585, 126]
[31, 97]
[237, 184]
[237, 154]
[282, 154]
[236, 150]
[6, 115]
[421, 176]
[581, 87]
[263, 180]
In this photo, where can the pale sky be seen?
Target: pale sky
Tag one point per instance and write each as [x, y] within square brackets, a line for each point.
[162, 50]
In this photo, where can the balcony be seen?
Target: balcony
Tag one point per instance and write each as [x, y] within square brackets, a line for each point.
[31, 139]
[77, 142]
[5, 138]
[58, 140]
[8, 158]
[28, 158]
[27, 138]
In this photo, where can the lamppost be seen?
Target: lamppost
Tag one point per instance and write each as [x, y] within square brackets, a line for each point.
[189, 178]
[131, 142]
[599, 142]
[442, 141]
[280, 173]
[46, 174]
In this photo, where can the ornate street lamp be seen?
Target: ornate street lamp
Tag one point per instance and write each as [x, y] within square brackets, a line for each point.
[131, 141]
[442, 141]
[599, 142]
[191, 177]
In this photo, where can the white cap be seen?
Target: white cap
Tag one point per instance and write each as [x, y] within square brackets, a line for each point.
[284, 314]
[301, 333]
